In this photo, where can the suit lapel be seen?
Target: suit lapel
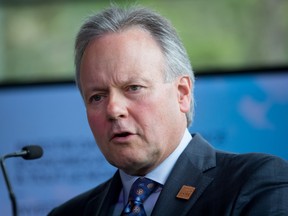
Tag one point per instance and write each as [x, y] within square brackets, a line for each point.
[103, 204]
[189, 170]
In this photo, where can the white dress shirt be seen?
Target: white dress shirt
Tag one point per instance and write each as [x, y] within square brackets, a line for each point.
[159, 174]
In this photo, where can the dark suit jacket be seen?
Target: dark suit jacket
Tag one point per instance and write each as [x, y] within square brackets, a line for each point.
[226, 184]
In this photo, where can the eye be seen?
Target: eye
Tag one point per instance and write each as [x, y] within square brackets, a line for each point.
[96, 98]
[134, 88]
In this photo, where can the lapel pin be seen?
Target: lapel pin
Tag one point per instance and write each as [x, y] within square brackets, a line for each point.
[185, 192]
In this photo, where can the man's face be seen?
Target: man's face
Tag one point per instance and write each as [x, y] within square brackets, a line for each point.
[136, 118]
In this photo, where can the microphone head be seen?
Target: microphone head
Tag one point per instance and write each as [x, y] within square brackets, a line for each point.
[32, 152]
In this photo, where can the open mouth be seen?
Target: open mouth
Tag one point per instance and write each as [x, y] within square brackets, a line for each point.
[124, 134]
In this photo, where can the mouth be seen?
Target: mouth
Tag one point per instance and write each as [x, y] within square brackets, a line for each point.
[121, 135]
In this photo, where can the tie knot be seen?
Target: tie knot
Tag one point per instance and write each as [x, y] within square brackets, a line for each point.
[141, 189]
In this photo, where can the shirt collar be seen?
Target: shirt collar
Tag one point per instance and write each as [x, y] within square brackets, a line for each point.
[161, 172]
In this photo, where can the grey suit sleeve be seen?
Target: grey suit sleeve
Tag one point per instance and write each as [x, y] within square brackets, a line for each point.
[266, 190]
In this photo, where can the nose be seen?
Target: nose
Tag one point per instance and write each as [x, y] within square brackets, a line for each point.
[116, 107]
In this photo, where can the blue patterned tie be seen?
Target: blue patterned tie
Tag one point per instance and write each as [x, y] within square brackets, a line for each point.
[139, 192]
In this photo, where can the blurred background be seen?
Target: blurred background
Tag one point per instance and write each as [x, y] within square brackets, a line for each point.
[37, 36]
[239, 52]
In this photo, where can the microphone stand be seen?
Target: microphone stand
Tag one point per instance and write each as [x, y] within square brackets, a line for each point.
[11, 194]
[28, 153]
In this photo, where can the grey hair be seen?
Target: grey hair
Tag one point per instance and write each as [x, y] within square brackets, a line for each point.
[116, 19]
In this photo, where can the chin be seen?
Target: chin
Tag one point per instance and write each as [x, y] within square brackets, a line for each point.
[137, 168]
[126, 166]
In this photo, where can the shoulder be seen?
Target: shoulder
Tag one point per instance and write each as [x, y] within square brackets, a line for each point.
[259, 180]
[250, 161]
[251, 170]
[78, 204]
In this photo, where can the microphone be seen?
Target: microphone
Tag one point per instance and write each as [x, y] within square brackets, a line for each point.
[28, 153]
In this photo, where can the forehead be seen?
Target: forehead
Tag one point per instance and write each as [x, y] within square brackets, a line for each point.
[130, 52]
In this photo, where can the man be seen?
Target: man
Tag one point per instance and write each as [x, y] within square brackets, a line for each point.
[137, 84]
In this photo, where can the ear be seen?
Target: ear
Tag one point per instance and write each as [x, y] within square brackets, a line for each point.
[184, 93]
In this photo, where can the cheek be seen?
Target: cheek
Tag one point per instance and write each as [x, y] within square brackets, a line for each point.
[96, 123]
[150, 117]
